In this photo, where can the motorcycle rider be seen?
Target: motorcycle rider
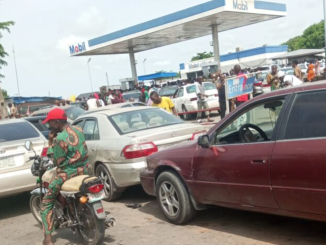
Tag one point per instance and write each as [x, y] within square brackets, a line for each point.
[68, 150]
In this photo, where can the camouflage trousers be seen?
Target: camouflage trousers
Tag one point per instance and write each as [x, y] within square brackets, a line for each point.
[51, 196]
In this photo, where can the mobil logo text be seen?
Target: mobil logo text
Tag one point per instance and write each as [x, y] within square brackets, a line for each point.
[78, 48]
[240, 5]
[240, 86]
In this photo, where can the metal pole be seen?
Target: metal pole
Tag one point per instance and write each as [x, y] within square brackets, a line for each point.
[325, 25]
[89, 73]
[133, 65]
[216, 46]
[13, 50]
[107, 79]
[144, 66]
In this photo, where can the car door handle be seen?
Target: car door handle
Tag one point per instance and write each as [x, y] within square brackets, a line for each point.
[92, 149]
[258, 161]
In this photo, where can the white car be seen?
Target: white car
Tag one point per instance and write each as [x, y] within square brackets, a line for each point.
[15, 167]
[185, 98]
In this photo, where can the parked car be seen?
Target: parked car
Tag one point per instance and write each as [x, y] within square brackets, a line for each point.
[71, 111]
[131, 94]
[185, 98]
[168, 91]
[119, 140]
[15, 174]
[37, 123]
[116, 106]
[28, 110]
[80, 104]
[267, 156]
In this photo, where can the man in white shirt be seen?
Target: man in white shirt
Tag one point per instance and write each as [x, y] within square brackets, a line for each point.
[92, 103]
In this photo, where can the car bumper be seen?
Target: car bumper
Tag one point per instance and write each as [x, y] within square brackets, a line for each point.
[126, 174]
[16, 182]
[147, 179]
[193, 106]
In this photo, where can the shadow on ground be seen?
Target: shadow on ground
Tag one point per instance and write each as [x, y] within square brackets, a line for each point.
[13, 206]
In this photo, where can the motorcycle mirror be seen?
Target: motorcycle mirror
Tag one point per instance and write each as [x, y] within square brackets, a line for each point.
[29, 145]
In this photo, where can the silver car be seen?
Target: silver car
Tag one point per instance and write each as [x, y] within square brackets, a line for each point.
[72, 112]
[119, 140]
[15, 173]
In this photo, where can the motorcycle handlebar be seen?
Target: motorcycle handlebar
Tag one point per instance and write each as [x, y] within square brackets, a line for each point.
[33, 158]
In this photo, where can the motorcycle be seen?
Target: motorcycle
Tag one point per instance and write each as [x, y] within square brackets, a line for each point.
[78, 206]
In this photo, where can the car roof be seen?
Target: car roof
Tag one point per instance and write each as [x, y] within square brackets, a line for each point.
[131, 92]
[119, 110]
[50, 109]
[10, 121]
[35, 118]
[113, 106]
[173, 86]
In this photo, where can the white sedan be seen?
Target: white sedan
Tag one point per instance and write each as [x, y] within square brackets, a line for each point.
[185, 98]
[119, 140]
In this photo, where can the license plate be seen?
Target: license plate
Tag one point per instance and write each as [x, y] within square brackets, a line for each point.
[7, 162]
[96, 197]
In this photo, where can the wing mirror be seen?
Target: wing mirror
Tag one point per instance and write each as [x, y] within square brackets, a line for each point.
[29, 145]
[203, 141]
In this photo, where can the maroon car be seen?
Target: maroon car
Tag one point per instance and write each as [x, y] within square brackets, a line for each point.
[267, 156]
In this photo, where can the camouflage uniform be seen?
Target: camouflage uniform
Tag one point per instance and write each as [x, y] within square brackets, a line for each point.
[69, 153]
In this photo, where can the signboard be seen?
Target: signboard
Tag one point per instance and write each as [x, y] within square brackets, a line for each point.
[241, 5]
[240, 85]
[78, 48]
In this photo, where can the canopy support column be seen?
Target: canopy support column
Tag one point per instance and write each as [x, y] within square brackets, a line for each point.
[216, 46]
[133, 65]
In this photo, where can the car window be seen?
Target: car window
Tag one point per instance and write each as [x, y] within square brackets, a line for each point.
[138, 104]
[131, 95]
[307, 117]
[74, 112]
[191, 89]
[133, 121]
[209, 86]
[168, 91]
[180, 92]
[91, 130]
[79, 123]
[126, 106]
[17, 131]
[38, 125]
[264, 116]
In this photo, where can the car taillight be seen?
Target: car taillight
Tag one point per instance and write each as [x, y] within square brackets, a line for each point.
[44, 152]
[139, 150]
[193, 99]
[195, 136]
[266, 85]
[258, 84]
[95, 188]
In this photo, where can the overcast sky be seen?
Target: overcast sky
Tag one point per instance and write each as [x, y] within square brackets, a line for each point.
[45, 29]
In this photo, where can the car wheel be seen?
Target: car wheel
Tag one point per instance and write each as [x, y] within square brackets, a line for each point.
[186, 116]
[173, 198]
[103, 173]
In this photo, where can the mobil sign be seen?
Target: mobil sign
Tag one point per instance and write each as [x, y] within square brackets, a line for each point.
[74, 49]
[241, 5]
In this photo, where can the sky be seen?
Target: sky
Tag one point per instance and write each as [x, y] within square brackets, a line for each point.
[45, 29]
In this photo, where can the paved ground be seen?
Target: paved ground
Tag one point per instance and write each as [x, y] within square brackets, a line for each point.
[147, 225]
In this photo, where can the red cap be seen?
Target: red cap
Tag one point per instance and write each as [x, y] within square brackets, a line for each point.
[55, 114]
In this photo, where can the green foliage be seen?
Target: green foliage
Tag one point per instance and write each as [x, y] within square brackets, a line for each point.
[312, 38]
[5, 94]
[4, 26]
[203, 55]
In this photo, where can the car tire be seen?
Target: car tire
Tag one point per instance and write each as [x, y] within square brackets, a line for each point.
[102, 172]
[186, 116]
[177, 206]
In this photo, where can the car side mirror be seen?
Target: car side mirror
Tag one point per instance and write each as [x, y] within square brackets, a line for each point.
[203, 141]
[29, 145]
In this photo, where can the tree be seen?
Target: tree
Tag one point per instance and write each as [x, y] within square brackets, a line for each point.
[312, 38]
[3, 54]
[4, 94]
[201, 56]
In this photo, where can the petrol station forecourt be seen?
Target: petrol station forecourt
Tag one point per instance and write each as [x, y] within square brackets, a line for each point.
[208, 18]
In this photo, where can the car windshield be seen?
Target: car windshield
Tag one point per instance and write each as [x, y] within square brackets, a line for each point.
[131, 95]
[74, 112]
[17, 131]
[168, 91]
[209, 86]
[139, 120]
[191, 89]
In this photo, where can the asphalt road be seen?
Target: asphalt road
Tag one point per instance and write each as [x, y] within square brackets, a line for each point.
[147, 225]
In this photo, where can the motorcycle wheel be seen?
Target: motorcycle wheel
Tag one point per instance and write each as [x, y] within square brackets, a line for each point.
[93, 231]
[35, 207]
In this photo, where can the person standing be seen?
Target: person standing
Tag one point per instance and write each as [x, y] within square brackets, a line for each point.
[202, 100]
[317, 67]
[3, 111]
[12, 110]
[273, 79]
[220, 86]
[163, 102]
[242, 98]
[92, 103]
[297, 70]
[63, 102]
[57, 103]
[311, 73]
[68, 150]
[117, 99]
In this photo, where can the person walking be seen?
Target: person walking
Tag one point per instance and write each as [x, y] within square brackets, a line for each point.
[242, 98]
[163, 102]
[297, 70]
[202, 100]
[68, 150]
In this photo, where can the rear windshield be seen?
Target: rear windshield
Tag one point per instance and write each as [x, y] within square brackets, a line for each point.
[131, 95]
[191, 89]
[134, 121]
[168, 91]
[17, 131]
[74, 112]
[209, 86]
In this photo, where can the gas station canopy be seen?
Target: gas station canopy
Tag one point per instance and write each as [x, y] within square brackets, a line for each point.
[184, 25]
[157, 76]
